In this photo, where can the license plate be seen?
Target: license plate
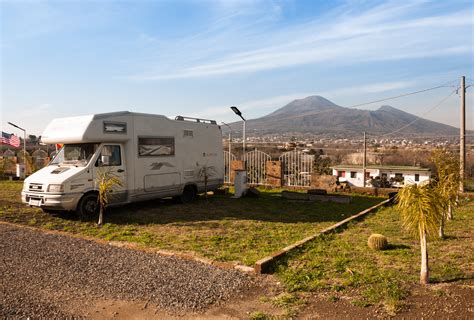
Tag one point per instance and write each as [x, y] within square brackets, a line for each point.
[35, 202]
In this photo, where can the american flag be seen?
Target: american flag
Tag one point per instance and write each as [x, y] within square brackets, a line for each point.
[10, 139]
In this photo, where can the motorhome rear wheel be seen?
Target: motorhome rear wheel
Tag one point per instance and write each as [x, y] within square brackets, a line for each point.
[189, 194]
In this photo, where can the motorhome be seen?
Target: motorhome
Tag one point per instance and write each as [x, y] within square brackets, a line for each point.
[153, 157]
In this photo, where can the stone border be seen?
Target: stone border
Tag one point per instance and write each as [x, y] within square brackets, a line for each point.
[262, 265]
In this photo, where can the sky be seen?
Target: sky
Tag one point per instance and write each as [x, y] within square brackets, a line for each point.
[199, 57]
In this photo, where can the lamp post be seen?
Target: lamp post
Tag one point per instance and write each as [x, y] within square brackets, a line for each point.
[24, 140]
[237, 112]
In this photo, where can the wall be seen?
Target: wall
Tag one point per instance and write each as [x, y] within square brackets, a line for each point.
[326, 182]
[235, 165]
[273, 172]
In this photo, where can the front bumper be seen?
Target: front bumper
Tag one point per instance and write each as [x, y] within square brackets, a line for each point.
[67, 202]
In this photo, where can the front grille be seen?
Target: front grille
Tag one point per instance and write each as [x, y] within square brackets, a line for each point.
[36, 187]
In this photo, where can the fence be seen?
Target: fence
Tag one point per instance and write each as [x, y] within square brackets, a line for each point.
[255, 165]
[297, 168]
[228, 158]
[292, 168]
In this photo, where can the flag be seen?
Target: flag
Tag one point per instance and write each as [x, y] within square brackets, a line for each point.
[10, 139]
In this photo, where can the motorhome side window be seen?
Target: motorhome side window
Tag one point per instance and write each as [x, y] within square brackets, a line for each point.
[155, 147]
[110, 156]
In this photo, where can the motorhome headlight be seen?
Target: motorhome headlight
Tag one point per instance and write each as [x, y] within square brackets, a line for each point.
[55, 188]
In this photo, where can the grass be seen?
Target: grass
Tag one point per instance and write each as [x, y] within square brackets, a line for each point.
[344, 265]
[258, 315]
[219, 227]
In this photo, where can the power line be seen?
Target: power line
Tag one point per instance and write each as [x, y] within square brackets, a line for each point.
[419, 117]
[403, 95]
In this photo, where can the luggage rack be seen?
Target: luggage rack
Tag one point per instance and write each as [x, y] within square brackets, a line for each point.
[182, 118]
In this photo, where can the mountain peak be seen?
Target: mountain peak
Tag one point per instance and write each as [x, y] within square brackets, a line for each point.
[305, 105]
[313, 100]
[387, 108]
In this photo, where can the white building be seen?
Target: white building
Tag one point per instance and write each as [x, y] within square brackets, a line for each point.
[353, 174]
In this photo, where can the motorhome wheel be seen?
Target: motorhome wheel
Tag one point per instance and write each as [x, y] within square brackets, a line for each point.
[88, 205]
[189, 194]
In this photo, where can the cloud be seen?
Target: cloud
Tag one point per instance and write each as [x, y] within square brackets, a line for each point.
[250, 42]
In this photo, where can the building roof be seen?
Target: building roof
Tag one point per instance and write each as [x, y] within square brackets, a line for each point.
[380, 167]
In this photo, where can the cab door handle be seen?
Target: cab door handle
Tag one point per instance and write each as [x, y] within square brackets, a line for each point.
[120, 170]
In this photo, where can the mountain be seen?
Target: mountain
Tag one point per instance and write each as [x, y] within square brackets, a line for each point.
[319, 116]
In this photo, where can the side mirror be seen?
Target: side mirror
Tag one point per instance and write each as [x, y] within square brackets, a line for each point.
[105, 160]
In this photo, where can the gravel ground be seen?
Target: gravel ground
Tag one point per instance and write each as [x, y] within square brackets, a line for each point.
[42, 273]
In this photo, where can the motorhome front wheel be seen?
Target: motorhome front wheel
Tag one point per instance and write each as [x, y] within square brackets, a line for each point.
[88, 205]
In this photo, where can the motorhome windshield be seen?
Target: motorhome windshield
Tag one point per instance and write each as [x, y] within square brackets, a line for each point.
[75, 154]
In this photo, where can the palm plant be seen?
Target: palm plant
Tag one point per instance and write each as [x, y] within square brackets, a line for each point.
[446, 183]
[106, 180]
[421, 213]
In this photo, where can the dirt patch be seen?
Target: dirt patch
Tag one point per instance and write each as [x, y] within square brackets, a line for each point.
[239, 308]
[436, 301]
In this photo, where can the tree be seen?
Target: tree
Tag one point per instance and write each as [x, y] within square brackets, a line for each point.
[32, 138]
[321, 163]
[381, 182]
[106, 180]
[446, 183]
[421, 213]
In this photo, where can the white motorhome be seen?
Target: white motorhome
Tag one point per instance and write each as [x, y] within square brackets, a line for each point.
[152, 155]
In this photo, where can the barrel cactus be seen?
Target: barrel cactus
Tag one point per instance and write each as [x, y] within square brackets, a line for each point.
[377, 242]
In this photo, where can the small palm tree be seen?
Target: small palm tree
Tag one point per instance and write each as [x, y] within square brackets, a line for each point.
[421, 213]
[106, 181]
[446, 183]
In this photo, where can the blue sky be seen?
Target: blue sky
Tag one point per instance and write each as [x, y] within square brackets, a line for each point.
[197, 58]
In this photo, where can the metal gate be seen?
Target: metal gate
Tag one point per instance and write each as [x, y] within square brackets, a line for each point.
[228, 158]
[297, 168]
[255, 165]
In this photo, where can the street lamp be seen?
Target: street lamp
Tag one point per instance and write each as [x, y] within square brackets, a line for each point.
[237, 112]
[24, 140]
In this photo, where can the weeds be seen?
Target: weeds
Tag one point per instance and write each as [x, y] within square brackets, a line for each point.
[258, 315]
[342, 262]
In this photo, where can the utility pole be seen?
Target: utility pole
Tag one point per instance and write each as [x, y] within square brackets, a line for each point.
[462, 140]
[365, 160]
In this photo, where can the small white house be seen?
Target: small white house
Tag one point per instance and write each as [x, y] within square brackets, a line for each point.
[353, 174]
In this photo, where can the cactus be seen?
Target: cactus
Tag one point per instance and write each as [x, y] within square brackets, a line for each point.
[377, 242]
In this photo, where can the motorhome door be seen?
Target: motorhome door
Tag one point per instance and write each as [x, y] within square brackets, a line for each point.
[112, 161]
